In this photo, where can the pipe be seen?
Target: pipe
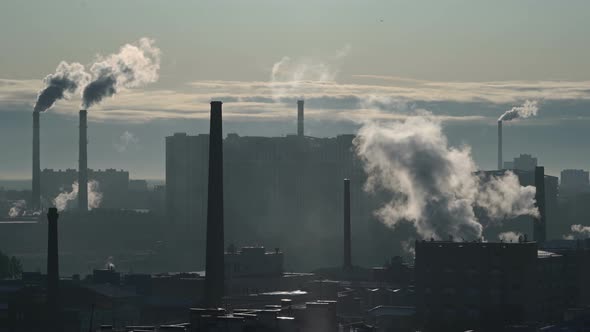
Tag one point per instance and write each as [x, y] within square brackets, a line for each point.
[540, 223]
[52, 271]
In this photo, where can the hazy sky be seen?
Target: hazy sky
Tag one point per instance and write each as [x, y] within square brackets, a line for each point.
[466, 61]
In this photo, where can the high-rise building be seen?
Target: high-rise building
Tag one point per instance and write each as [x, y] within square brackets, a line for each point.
[574, 181]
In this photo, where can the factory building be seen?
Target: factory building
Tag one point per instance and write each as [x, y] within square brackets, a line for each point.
[471, 285]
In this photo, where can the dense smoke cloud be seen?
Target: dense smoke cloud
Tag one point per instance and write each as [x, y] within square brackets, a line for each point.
[67, 79]
[578, 232]
[68, 199]
[135, 65]
[432, 185]
[528, 109]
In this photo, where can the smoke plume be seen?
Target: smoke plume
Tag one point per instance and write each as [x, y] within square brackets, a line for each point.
[68, 199]
[289, 76]
[135, 65]
[509, 236]
[578, 232]
[17, 209]
[528, 109]
[433, 186]
[67, 79]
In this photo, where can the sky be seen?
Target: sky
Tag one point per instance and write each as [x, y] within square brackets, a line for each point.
[465, 62]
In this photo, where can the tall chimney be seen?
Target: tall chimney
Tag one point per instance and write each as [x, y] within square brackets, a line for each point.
[347, 241]
[300, 118]
[500, 163]
[540, 225]
[36, 185]
[52, 271]
[83, 164]
[214, 264]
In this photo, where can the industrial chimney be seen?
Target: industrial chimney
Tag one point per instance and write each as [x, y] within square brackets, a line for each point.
[36, 185]
[52, 271]
[540, 225]
[347, 250]
[500, 163]
[300, 118]
[83, 164]
[214, 265]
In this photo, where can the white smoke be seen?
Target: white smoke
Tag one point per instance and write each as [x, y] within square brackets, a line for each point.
[578, 232]
[110, 263]
[528, 109]
[68, 199]
[125, 140]
[509, 237]
[135, 65]
[433, 186]
[17, 209]
[289, 76]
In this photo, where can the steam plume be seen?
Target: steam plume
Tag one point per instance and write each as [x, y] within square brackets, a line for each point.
[528, 109]
[135, 65]
[66, 200]
[17, 209]
[67, 79]
[433, 186]
[578, 232]
[509, 236]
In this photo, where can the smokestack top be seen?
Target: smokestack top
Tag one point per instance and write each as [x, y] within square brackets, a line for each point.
[52, 214]
[216, 102]
[300, 101]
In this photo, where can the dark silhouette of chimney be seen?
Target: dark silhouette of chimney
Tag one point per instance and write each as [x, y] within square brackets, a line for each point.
[214, 265]
[83, 164]
[540, 225]
[52, 271]
[500, 162]
[347, 240]
[300, 118]
[36, 185]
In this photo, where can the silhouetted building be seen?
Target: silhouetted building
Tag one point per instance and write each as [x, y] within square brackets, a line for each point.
[524, 162]
[274, 187]
[53, 296]
[473, 285]
[573, 182]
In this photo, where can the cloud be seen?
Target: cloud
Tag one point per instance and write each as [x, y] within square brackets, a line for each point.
[325, 99]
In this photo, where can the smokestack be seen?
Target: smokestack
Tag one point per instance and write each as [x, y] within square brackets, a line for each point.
[52, 271]
[500, 163]
[214, 265]
[36, 185]
[540, 226]
[300, 118]
[347, 241]
[83, 164]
